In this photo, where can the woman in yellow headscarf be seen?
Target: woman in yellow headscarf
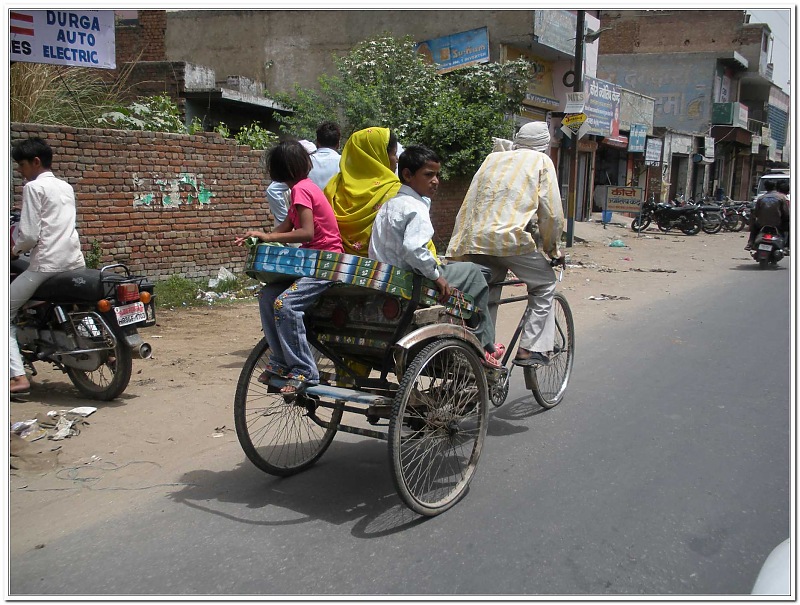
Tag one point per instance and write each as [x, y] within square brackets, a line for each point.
[365, 181]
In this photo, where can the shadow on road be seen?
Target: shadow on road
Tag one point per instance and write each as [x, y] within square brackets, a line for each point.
[350, 484]
[754, 266]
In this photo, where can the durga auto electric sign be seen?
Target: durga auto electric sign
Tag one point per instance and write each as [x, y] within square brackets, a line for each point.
[78, 38]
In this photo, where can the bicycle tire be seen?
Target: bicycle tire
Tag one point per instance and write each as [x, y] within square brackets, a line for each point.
[438, 426]
[279, 437]
[549, 383]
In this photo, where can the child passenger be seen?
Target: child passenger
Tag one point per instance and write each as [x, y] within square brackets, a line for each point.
[403, 228]
[310, 222]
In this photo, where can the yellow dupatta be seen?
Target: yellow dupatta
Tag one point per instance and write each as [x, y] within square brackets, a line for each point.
[362, 185]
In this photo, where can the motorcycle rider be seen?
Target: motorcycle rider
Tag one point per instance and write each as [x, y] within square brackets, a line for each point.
[783, 187]
[772, 209]
[46, 230]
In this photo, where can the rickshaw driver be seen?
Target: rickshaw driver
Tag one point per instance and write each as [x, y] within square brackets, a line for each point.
[514, 200]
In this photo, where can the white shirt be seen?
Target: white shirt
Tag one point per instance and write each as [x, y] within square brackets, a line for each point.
[47, 226]
[324, 164]
[401, 232]
[279, 197]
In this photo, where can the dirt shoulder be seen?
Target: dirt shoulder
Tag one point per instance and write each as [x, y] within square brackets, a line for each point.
[177, 410]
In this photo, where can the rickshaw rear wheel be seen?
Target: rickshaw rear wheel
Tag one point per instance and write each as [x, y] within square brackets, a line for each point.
[280, 437]
[438, 426]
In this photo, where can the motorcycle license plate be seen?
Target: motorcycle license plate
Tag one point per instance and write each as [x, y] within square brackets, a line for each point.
[130, 314]
[766, 247]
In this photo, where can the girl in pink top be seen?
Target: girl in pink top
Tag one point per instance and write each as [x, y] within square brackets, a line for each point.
[311, 223]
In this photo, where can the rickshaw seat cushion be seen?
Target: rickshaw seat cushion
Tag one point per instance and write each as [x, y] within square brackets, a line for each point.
[270, 263]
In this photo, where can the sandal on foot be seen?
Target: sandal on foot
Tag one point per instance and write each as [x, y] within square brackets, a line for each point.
[490, 361]
[530, 358]
[293, 388]
[499, 350]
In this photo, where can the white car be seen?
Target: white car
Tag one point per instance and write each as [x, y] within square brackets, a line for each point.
[775, 176]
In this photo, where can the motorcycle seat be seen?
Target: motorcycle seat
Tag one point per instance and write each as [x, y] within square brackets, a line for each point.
[79, 285]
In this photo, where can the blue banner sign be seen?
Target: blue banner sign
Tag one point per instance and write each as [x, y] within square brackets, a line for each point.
[602, 107]
[637, 138]
[456, 50]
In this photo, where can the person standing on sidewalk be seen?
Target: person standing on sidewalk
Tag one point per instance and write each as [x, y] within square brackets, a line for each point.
[46, 230]
[512, 202]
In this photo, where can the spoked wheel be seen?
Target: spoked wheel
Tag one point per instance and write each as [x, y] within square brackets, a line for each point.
[498, 387]
[437, 427]
[692, 228]
[279, 437]
[111, 378]
[643, 221]
[550, 381]
[712, 223]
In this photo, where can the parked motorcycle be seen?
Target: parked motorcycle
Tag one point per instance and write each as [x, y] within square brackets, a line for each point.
[733, 216]
[768, 247]
[667, 217]
[85, 322]
[710, 215]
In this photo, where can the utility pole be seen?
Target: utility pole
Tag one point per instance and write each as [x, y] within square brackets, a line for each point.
[577, 86]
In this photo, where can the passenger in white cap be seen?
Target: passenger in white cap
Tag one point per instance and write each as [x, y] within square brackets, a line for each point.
[513, 202]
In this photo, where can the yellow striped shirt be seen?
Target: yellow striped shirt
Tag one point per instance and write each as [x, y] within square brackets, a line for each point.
[512, 193]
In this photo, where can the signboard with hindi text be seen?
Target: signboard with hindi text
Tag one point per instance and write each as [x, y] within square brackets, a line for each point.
[80, 38]
[624, 199]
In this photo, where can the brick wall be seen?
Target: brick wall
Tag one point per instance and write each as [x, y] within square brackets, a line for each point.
[670, 31]
[162, 203]
[172, 204]
[142, 42]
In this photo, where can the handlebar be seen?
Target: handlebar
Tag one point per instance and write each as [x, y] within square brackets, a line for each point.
[559, 262]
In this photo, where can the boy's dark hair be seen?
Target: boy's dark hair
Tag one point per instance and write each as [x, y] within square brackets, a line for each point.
[783, 186]
[329, 135]
[289, 162]
[415, 157]
[34, 147]
[769, 185]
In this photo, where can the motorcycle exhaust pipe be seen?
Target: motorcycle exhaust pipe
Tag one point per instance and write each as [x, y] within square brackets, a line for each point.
[139, 348]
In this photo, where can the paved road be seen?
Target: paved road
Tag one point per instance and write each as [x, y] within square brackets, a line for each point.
[665, 471]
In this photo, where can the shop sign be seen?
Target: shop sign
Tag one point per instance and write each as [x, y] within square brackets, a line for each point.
[575, 102]
[740, 115]
[602, 107]
[709, 148]
[755, 144]
[652, 154]
[637, 138]
[556, 29]
[540, 86]
[624, 199]
[81, 38]
[456, 50]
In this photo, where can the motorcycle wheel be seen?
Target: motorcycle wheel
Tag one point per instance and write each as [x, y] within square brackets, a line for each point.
[693, 228]
[712, 223]
[740, 225]
[664, 227]
[645, 223]
[110, 379]
[763, 263]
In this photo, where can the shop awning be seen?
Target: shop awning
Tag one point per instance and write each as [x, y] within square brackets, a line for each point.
[620, 141]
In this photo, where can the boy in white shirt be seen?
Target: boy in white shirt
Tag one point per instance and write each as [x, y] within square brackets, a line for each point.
[401, 232]
[47, 231]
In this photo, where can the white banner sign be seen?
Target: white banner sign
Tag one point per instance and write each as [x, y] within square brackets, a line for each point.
[78, 38]
[575, 102]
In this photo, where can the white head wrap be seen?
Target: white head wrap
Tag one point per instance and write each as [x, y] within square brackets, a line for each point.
[533, 135]
[308, 146]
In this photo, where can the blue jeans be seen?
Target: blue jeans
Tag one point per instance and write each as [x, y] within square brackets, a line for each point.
[282, 311]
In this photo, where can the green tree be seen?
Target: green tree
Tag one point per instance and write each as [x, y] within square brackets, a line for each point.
[384, 82]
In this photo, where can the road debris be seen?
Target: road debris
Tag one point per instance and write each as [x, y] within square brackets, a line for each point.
[608, 297]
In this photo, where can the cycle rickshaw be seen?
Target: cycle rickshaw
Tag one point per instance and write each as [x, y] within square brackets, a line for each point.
[401, 366]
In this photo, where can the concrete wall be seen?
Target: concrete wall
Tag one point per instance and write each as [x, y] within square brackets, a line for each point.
[283, 47]
[683, 87]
